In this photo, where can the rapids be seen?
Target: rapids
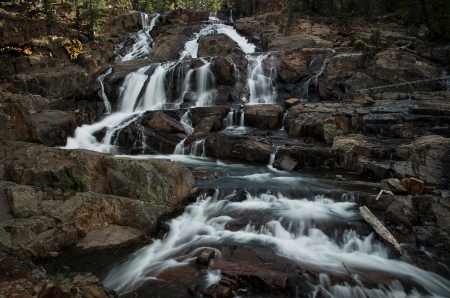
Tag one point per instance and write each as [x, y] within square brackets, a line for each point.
[309, 221]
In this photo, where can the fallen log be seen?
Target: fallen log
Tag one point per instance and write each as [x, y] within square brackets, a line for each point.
[381, 231]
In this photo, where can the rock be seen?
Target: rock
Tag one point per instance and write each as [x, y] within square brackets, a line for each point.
[205, 256]
[413, 185]
[400, 211]
[158, 181]
[224, 69]
[291, 102]
[24, 200]
[215, 45]
[254, 149]
[52, 82]
[264, 116]
[288, 163]
[111, 235]
[166, 48]
[218, 291]
[53, 127]
[16, 123]
[393, 185]
[200, 113]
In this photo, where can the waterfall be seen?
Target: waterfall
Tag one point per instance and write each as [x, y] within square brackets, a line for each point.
[131, 89]
[229, 120]
[104, 97]
[314, 79]
[186, 87]
[241, 119]
[155, 94]
[143, 41]
[186, 122]
[196, 148]
[206, 85]
[231, 16]
[259, 85]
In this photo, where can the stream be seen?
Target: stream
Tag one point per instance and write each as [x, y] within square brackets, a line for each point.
[299, 219]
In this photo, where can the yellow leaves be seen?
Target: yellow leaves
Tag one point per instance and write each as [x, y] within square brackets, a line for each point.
[26, 50]
[74, 48]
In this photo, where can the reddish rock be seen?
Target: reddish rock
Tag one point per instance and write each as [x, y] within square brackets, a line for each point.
[218, 291]
[205, 256]
[393, 185]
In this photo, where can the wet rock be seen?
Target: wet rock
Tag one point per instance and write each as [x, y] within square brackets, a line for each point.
[393, 185]
[218, 112]
[205, 256]
[215, 45]
[218, 291]
[264, 116]
[224, 69]
[288, 163]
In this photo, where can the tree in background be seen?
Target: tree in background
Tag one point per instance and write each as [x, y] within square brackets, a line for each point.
[93, 16]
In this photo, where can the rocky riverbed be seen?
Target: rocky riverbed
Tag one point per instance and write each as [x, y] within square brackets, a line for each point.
[262, 197]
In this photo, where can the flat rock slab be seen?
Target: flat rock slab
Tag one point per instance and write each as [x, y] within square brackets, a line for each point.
[109, 236]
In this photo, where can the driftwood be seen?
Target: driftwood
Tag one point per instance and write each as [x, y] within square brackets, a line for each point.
[388, 192]
[381, 231]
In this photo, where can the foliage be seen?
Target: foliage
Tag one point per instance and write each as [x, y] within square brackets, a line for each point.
[375, 38]
[360, 45]
[93, 16]
[74, 48]
[26, 50]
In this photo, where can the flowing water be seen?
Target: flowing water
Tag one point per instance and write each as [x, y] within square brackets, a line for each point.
[143, 41]
[310, 222]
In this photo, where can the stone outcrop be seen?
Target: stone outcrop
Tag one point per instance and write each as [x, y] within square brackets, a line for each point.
[20, 277]
[63, 195]
[167, 48]
[215, 45]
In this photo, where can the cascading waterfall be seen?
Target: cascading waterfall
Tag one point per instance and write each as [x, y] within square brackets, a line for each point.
[104, 97]
[186, 87]
[259, 85]
[206, 85]
[231, 16]
[290, 229]
[143, 41]
[155, 94]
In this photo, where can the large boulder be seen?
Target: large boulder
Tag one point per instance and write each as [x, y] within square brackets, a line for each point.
[215, 45]
[55, 82]
[157, 181]
[53, 127]
[252, 148]
[166, 48]
[264, 116]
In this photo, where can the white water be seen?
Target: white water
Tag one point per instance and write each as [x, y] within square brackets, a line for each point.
[231, 16]
[155, 94]
[314, 79]
[143, 45]
[206, 86]
[290, 231]
[259, 84]
[104, 97]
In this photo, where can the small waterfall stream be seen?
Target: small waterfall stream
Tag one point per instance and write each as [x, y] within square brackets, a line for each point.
[104, 97]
